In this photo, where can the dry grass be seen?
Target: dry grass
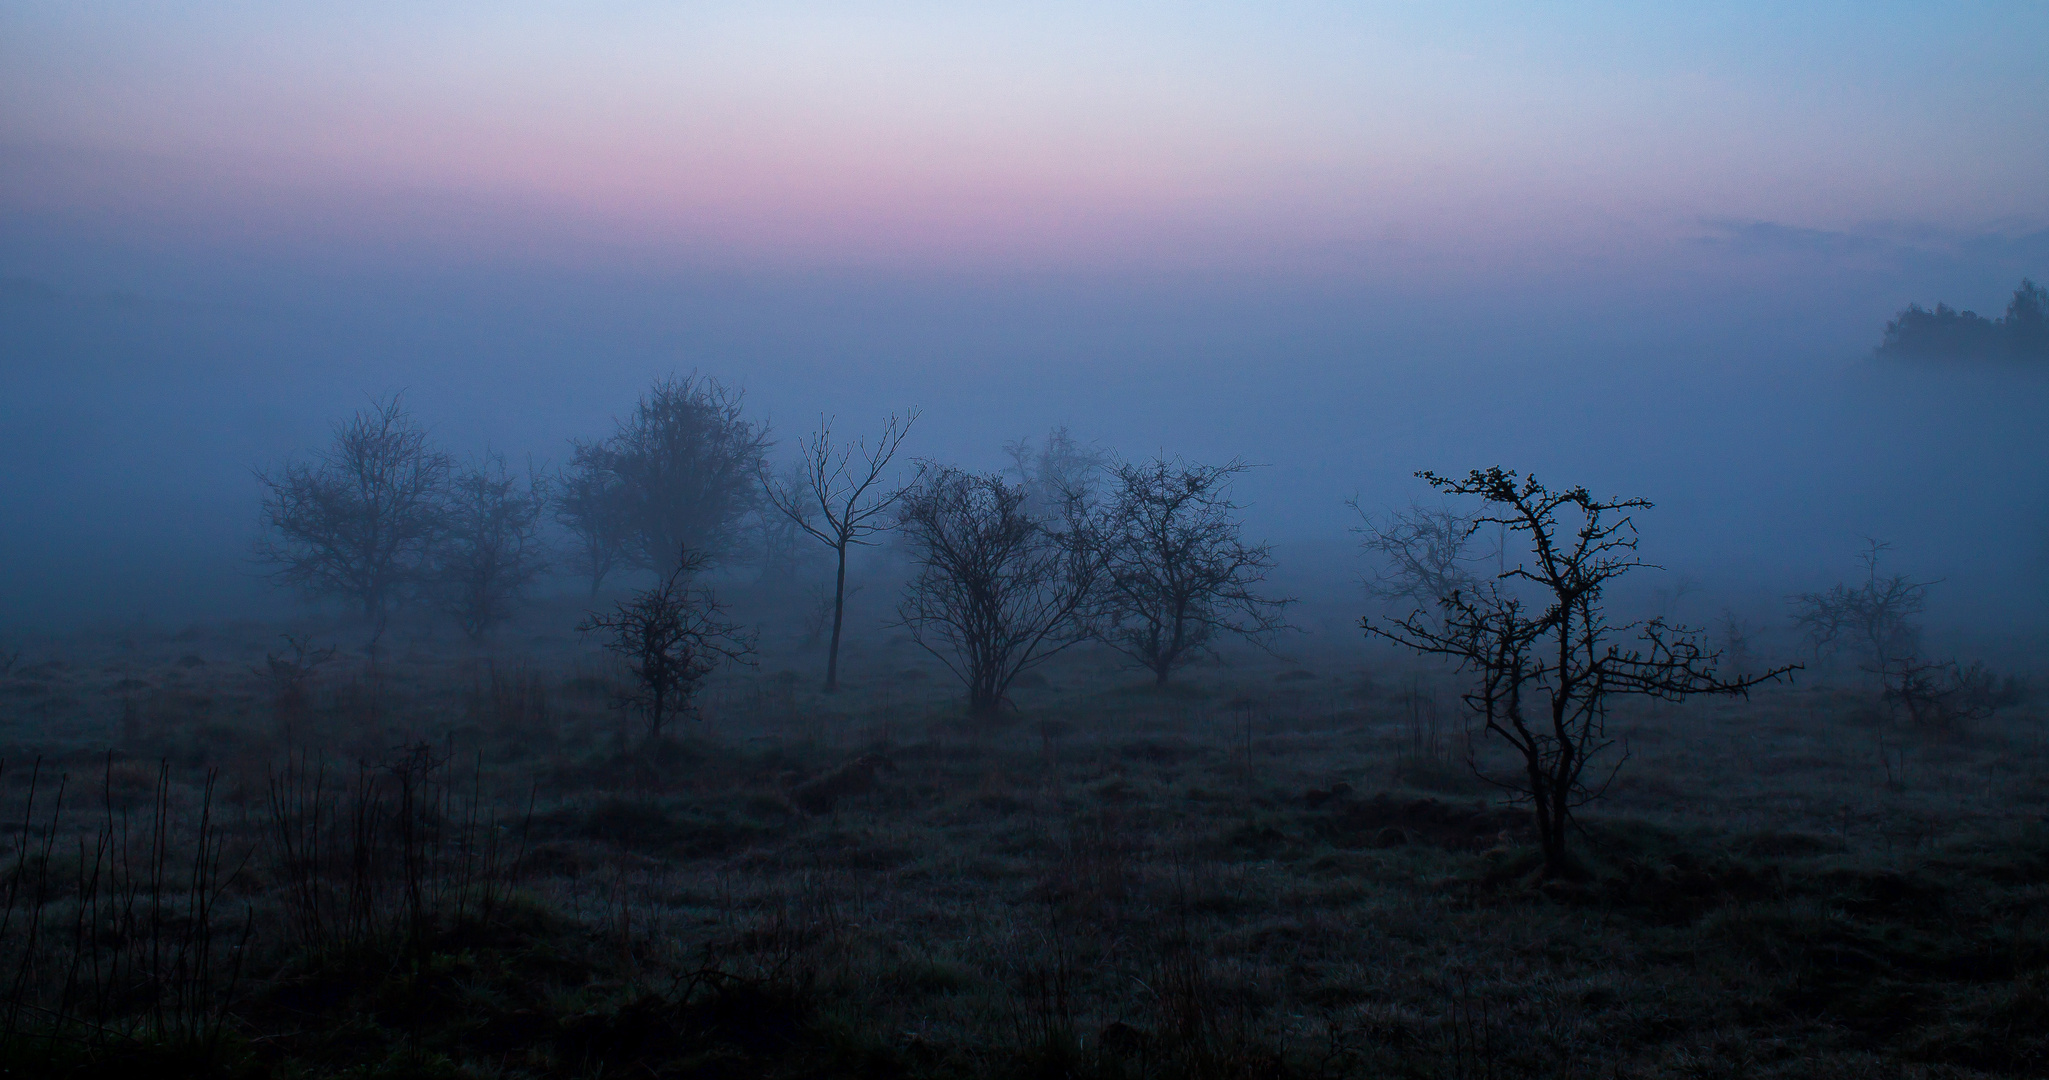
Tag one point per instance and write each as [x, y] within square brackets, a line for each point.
[1277, 869]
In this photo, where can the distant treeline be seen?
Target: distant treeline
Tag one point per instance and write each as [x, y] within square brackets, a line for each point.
[1947, 333]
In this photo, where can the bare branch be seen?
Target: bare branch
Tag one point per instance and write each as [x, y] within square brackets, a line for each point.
[996, 592]
[359, 521]
[671, 636]
[1544, 676]
[1178, 574]
[838, 484]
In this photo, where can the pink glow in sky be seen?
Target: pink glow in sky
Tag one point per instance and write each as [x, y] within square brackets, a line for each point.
[1313, 134]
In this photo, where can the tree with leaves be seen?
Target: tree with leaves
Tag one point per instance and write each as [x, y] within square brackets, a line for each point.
[360, 520]
[1546, 661]
[1946, 333]
[1178, 574]
[996, 591]
[839, 499]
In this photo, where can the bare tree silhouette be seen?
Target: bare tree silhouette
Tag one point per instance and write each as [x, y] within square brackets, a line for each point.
[490, 548]
[1548, 667]
[843, 493]
[360, 520]
[671, 636]
[997, 592]
[1056, 472]
[1876, 618]
[1178, 573]
[1426, 552]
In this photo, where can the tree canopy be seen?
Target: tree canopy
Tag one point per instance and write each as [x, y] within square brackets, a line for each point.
[1949, 334]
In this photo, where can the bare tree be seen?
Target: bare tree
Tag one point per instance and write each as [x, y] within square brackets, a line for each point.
[1178, 574]
[1547, 668]
[837, 500]
[358, 521]
[780, 542]
[490, 548]
[997, 592]
[1057, 473]
[1426, 552]
[1736, 639]
[1943, 695]
[671, 636]
[1876, 618]
[1670, 597]
[590, 502]
[291, 676]
[686, 464]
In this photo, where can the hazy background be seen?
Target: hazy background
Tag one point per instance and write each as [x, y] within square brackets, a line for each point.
[1649, 252]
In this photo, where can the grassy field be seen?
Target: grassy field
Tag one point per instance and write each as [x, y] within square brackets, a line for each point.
[465, 865]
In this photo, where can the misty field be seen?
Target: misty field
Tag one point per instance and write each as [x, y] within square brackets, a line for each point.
[224, 856]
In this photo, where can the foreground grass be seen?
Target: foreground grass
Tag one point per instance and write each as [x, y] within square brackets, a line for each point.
[1267, 872]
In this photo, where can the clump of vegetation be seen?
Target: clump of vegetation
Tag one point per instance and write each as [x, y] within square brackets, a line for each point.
[490, 549]
[680, 471]
[1878, 620]
[290, 676]
[384, 517]
[1949, 334]
[1875, 618]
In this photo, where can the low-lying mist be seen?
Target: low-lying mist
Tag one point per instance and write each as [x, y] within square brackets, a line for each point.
[1770, 440]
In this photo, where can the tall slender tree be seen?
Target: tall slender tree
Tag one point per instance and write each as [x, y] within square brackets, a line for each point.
[840, 499]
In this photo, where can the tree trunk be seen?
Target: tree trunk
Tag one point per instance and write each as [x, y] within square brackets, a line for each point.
[839, 609]
[985, 700]
[1554, 819]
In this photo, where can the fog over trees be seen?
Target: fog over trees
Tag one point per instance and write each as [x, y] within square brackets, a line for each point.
[1081, 542]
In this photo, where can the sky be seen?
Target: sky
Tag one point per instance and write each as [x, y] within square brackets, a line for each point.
[1646, 245]
[1284, 136]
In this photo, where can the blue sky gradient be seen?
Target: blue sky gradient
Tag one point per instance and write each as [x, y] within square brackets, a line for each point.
[1647, 247]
